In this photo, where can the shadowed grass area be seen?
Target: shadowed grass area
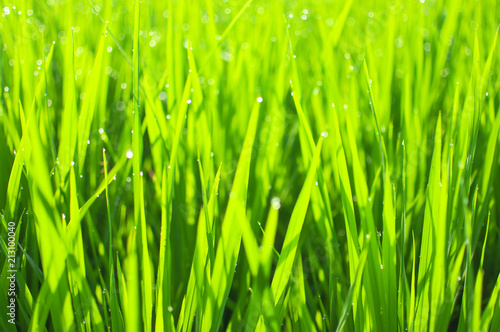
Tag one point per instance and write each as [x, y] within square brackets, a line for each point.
[249, 165]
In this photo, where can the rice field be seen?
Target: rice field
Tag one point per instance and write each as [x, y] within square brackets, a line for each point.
[281, 165]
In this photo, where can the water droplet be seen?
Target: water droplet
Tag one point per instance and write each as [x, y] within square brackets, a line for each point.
[276, 203]
[130, 154]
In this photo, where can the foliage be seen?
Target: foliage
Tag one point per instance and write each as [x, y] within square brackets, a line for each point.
[251, 165]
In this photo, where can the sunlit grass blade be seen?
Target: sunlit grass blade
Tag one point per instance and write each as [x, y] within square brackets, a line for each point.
[291, 242]
[353, 290]
[116, 315]
[229, 242]
[430, 275]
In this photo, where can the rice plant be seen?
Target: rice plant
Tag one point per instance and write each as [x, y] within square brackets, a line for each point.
[249, 165]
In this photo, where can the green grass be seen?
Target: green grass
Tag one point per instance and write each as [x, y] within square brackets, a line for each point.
[251, 165]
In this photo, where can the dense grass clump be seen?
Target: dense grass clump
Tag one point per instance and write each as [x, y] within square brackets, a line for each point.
[250, 165]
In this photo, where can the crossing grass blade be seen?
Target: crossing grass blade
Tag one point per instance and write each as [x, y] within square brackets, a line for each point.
[197, 278]
[291, 242]
[353, 290]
